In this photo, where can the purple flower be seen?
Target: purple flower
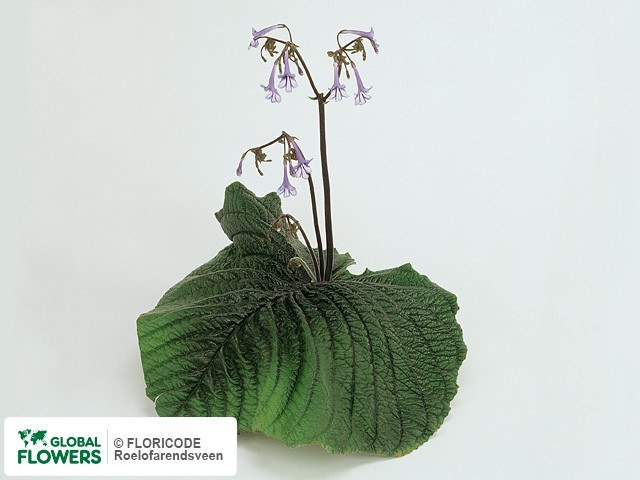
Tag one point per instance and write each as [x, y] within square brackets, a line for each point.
[239, 169]
[286, 188]
[337, 91]
[255, 34]
[302, 169]
[368, 35]
[287, 79]
[363, 93]
[272, 92]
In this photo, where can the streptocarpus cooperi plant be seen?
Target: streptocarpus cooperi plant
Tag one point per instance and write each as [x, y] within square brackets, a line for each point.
[280, 334]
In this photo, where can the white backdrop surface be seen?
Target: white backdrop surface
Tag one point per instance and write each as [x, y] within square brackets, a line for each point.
[500, 155]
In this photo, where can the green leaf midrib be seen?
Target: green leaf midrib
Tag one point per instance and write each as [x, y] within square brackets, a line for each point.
[285, 404]
[246, 317]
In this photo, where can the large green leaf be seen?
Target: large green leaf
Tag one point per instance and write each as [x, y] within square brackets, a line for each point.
[362, 363]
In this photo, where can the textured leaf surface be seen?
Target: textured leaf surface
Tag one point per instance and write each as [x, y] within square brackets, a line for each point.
[362, 363]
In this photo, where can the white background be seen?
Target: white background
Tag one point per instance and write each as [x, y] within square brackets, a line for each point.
[500, 155]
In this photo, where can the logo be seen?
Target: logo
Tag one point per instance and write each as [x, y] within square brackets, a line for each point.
[86, 447]
[38, 449]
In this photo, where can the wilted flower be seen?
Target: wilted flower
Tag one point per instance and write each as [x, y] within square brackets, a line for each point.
[239, 169]
[363, 93]
[337, 91]
[302, 169]
[255, 34]
[287, 79]
[368, 35]
[272, 92]
[286, 188]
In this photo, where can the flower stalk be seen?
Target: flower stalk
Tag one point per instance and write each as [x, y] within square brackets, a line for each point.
[342, 62]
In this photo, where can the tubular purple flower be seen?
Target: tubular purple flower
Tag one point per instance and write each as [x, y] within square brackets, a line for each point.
[337, 91]
[286, 188]
[287, 79]
[259, 33]
[239, 169]
[302, 169]
[368, 35]
[363, 93]
[272, 92]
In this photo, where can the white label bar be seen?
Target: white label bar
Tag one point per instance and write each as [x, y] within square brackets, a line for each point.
[141, 446]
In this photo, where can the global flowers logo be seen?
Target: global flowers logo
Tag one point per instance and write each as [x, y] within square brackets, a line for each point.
[64, 450]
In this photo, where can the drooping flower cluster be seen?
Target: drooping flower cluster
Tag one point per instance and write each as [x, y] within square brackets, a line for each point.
[294, 162]
[342, 61]
[282, 61]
